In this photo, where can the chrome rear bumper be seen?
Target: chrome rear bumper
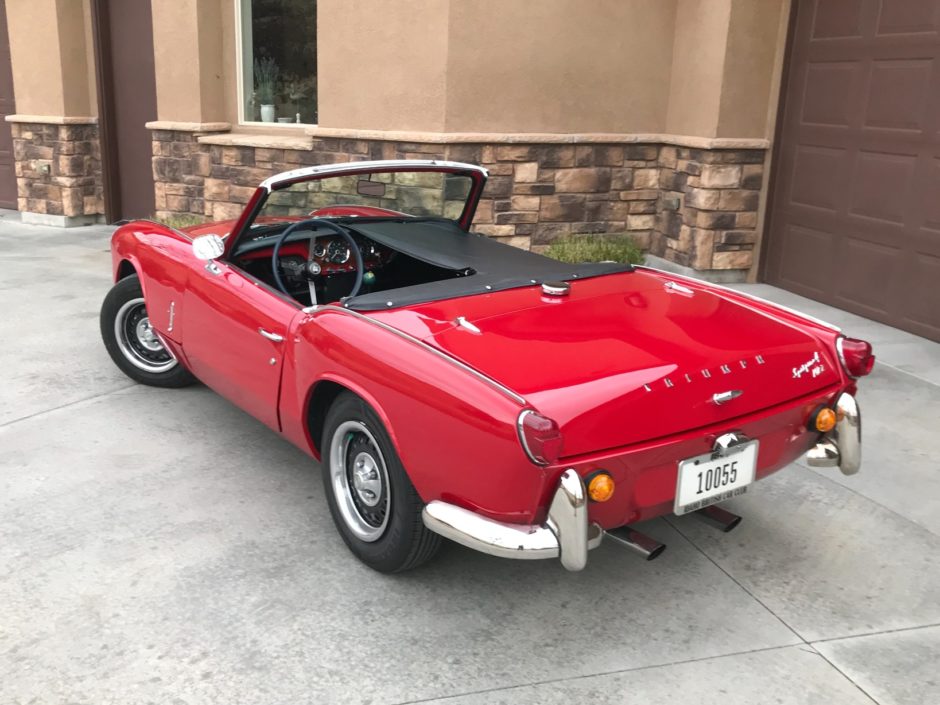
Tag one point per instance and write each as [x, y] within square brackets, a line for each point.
[842, 446]
[566, 533]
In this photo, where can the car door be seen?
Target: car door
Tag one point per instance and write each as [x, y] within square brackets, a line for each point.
[235, 332]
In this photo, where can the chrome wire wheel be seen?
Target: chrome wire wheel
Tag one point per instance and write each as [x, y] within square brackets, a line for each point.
[137, 340]
[360, 480]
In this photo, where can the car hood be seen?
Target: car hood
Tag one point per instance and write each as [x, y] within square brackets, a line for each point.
[627, 357]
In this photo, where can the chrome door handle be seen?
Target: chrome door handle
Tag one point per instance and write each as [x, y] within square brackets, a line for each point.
[271, 336]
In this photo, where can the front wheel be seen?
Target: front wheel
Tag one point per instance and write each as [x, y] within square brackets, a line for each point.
[131, 341]
[373, 503]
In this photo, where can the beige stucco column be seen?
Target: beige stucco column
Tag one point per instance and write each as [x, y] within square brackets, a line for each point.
[187, 44]
[753, 57]
[723, 67]
[56, 148]
[51, 57]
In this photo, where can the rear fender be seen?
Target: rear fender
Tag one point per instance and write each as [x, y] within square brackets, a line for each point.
[358, 390]
[454, 433]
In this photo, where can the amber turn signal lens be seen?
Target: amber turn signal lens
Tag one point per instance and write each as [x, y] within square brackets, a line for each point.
[825, 420]
[601, 487]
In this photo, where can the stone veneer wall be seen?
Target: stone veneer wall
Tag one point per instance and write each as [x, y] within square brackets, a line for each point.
[695, 207]
[58, 169]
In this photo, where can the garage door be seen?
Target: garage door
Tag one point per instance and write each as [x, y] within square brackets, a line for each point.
[7, 174]
[854, 215]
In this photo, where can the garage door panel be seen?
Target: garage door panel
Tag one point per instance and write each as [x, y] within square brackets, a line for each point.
[927, 242]
[921, 306]
[908, 17]
[814, 272]
[881, 186]
[866, 273]
[897, 94]
[854, 218]
[813, 168]
[838, 19]
[828, 94]
[930, 194]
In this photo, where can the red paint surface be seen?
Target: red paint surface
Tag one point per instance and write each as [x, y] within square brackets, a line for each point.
[585, 360]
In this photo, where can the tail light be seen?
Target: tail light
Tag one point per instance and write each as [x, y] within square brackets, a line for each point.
[856, 356]
[600, 486]
[823, 419]
[540, 437]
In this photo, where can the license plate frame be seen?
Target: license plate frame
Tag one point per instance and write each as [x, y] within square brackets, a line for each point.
[693, 478]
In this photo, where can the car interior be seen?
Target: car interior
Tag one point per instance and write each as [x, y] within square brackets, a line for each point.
[406, 260]
[379, 240]
[319, 264]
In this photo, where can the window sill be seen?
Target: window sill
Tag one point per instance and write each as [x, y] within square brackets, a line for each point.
[253, 139]
[177, 126]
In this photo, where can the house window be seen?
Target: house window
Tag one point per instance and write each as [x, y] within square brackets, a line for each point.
[277, 41]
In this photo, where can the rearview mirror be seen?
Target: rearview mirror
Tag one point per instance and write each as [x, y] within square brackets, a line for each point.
[208, 247]
[370, 188]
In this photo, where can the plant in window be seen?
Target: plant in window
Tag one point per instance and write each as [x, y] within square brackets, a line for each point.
[299, 89]
[266, 75]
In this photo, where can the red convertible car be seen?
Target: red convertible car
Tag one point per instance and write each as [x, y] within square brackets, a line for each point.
[453, 386]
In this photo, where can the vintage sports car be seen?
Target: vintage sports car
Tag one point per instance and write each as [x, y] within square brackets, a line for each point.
[454, 386]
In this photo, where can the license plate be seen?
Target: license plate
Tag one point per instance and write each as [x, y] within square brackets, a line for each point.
[705, 479]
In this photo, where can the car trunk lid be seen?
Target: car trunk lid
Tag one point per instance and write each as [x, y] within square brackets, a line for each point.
[629, 357]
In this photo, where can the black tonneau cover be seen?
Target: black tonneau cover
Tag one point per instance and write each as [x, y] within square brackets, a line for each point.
[496, 266]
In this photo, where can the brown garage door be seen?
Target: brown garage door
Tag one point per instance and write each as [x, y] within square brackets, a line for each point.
[7, 174]
[128, 101]
[855, 209]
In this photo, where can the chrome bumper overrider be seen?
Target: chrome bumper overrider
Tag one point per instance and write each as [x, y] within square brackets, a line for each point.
[566, 533]
[842, 446]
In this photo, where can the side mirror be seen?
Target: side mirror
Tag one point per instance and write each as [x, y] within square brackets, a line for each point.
[208, 247]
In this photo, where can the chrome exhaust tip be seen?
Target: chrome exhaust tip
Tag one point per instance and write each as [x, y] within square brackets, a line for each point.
[721, 518]
[637, 541]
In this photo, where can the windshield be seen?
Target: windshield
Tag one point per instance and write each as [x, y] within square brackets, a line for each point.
[373, 194]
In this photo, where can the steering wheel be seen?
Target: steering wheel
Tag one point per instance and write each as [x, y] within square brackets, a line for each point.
[316, 223]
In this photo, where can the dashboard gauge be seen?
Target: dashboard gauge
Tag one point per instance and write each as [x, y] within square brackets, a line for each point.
[338, 252]
[319, 249]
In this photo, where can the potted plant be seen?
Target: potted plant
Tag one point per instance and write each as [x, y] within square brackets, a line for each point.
[266, 73]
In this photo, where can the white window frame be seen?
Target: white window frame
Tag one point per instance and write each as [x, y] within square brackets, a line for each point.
[244, 63]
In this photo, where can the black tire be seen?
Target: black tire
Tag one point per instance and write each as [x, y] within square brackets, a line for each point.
[389, 535]
[135, 349]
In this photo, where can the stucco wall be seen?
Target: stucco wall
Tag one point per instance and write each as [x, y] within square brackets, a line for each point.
[558, 65]
[686, 67]
[382, 66]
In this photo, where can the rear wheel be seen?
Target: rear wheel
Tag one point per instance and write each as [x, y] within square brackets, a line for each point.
[373, 503]
[132, 342]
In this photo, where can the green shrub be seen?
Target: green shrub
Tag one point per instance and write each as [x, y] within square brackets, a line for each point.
[595, 248]
[181, 220]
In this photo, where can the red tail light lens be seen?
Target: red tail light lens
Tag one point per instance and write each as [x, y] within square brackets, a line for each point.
[856, 355]
[540, 437]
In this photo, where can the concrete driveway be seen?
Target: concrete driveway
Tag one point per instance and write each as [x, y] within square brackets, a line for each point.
[162, 546]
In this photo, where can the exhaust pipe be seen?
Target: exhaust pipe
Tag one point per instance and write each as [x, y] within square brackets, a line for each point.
[646, 546]
[716, 516]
